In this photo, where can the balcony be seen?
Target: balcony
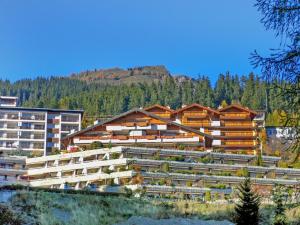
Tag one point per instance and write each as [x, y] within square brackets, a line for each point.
[163, 115]
[239, 125]
[53, 140]
[11, 126]
[239, 144]
[215, 123]
[38, 146]
[195, 114]
[54, 121]
[141, 139]
[32, 117]
[12, 116]
[196, 124]
[70, 119]
[235, 116]
[53, 131]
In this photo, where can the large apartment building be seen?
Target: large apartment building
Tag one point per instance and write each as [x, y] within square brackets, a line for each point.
[232, 128]
[140, 127]
[35, 129]
[165, 172]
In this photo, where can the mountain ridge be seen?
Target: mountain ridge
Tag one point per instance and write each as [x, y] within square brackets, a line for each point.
[117, 75]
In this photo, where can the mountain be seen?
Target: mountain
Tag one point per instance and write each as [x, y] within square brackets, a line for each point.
[96, 91]
[117, 76]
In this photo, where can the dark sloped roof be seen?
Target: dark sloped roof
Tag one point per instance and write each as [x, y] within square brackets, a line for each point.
[141, 111]
[238, 107]
[159, 106]
[197, 105]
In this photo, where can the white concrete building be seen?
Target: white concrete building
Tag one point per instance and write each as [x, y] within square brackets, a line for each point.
[34, 129]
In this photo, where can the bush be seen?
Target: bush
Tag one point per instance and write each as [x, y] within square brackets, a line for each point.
[189, 183]
[207, 196]
[115, 155]
[283, 164]
[242, 172]
[7, 217]
[181, 147]
[206, 159]
[217, 186]
[96, 145]
[165, 167]
[161, 182]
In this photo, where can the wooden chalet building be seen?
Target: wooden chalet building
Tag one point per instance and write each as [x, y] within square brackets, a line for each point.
[197, 127]
[238, 128]
[139, 127]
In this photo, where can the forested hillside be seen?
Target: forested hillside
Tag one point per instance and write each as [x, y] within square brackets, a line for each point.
[102, 98]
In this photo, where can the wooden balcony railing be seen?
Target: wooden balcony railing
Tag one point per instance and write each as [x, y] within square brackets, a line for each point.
[198, 124]
[196, 113]
[142, 124]
[163, 115]
[124, 137]
[238, 125]
[237, 143]
[129, 124]
[238, 134]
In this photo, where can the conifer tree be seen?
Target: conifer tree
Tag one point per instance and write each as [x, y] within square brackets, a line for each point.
[247, 209]
[278, 198]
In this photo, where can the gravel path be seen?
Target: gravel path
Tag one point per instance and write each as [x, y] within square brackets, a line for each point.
[174, 221]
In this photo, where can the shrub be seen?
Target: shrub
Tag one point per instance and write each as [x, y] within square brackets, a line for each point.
[181, 147]
[206, 159]
[161, 182]
[109, 145]
[217, 186]
[189, 183]
[207, 196]
[8, 217]
[165, 167]
[283, 164]
[115, 155]
[242, 172]
[96, 145]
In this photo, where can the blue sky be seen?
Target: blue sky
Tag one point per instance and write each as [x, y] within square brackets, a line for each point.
[58, 37]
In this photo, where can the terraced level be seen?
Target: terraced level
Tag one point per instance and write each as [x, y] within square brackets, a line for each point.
[149, 171]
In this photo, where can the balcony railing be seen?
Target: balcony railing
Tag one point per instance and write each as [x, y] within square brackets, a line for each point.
[199, 113]
[238, 134]
[12, 116]
[70, 119]
[163, 115]
[238, 125]
[238, 143]
[148, 137]
[199, 124]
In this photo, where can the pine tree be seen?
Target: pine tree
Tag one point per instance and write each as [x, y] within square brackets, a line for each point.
[247, 210]
[278, 197]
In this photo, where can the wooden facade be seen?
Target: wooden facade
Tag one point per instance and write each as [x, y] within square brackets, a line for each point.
[141, 128]
[228, 129]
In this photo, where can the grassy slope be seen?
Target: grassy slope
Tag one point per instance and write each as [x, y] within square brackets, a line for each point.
[47, 208]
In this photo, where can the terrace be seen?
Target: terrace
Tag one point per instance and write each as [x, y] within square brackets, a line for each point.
[211, 179]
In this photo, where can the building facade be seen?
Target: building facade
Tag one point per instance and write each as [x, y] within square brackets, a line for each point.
[35, 129]
[232, 128]
[164, 172]
[138, 127]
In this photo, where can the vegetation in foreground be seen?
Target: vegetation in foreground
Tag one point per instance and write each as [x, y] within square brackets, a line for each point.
[51, 208]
